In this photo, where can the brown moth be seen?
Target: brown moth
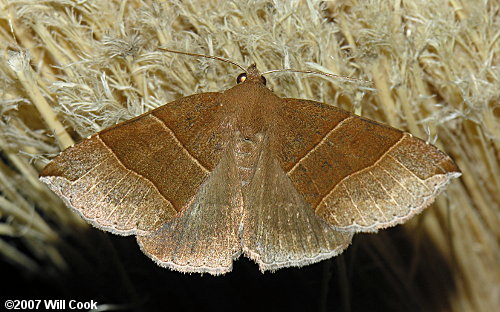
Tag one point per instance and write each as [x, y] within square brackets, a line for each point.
[283, 181]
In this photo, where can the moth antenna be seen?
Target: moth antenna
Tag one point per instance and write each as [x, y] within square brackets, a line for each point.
[205, 56]
[318, 73]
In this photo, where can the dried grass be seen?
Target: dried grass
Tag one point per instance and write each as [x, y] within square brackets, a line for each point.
[71, 68]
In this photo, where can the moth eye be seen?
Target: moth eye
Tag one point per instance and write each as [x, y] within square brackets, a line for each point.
[263, 80]
[241, 77]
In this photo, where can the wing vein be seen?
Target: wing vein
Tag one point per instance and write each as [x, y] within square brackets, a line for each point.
[411, 172]
[315, 147]
[383, 187]
[374, 201]
[132, 171]
[360, 170]
[397, 181]
[120, 202]
[184, 149]
[354, 204]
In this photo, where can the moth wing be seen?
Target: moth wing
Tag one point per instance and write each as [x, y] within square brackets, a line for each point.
[357, 174]
[279, 227]
[204, 238]
[133, 177]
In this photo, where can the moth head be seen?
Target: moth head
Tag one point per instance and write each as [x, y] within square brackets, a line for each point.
[251, 74]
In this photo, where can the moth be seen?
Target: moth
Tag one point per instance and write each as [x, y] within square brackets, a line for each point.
[285, 182]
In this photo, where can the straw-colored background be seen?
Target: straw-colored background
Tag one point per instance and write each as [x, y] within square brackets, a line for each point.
[71, 68]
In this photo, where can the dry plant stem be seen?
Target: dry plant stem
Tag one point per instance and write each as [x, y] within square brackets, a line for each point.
[26, 170]
[20, 66]
[384, 94]
[25, 216]
[480, 198]
[17, 257]
[58, 53]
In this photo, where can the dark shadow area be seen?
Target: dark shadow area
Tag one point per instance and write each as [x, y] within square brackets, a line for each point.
[379, 272]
